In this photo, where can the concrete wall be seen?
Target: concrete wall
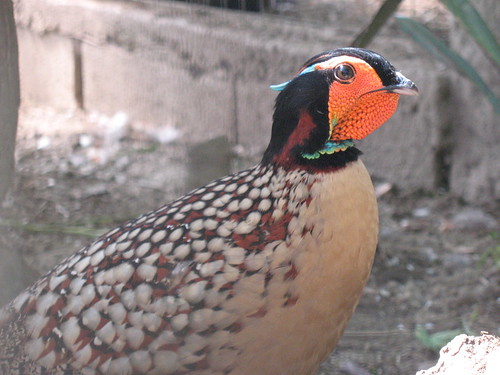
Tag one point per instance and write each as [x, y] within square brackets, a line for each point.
[206, 72]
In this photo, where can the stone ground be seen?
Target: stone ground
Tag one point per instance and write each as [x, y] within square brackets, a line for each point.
[437, 271]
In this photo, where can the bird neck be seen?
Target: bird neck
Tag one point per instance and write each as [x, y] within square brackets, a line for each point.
[332, 157]
[326, 157]
[321, 161]
[301, 133]
[329, 148]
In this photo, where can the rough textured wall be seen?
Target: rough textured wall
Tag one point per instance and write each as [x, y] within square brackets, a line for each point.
[206, 72]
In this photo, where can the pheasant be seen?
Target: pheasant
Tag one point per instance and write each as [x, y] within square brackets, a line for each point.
[255, 273]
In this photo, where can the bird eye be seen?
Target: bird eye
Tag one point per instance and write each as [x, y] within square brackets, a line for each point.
[344, 73]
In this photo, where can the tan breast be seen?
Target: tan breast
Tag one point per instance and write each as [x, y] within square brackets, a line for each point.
[332, 246]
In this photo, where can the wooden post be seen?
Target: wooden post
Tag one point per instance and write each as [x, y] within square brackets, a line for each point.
[13, 273]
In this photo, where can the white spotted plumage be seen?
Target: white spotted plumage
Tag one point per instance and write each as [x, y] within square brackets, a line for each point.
[126, 283]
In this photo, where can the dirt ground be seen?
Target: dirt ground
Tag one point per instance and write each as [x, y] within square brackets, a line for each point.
[437, 267]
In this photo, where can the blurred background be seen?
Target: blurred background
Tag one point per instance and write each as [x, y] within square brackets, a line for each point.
[125, 105]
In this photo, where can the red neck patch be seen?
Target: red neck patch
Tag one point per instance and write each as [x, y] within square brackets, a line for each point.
[297, 138]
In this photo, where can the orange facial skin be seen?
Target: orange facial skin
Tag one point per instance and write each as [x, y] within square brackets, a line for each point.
[354, 110]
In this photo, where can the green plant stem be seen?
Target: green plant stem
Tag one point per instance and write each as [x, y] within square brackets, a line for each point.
[436, 47]
[385, 11]
[475, 25]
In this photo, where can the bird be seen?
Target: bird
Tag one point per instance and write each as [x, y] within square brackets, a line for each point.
[257, 272]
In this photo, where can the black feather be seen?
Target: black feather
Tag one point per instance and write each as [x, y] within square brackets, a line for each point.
[307, 92]
[384, 68]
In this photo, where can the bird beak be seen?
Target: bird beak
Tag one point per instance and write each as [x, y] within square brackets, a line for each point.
[403, 86]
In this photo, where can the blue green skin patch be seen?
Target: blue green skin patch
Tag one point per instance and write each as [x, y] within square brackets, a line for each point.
[331, 147]
[281, 86]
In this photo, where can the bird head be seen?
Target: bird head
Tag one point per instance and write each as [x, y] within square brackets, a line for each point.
[336, 97]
